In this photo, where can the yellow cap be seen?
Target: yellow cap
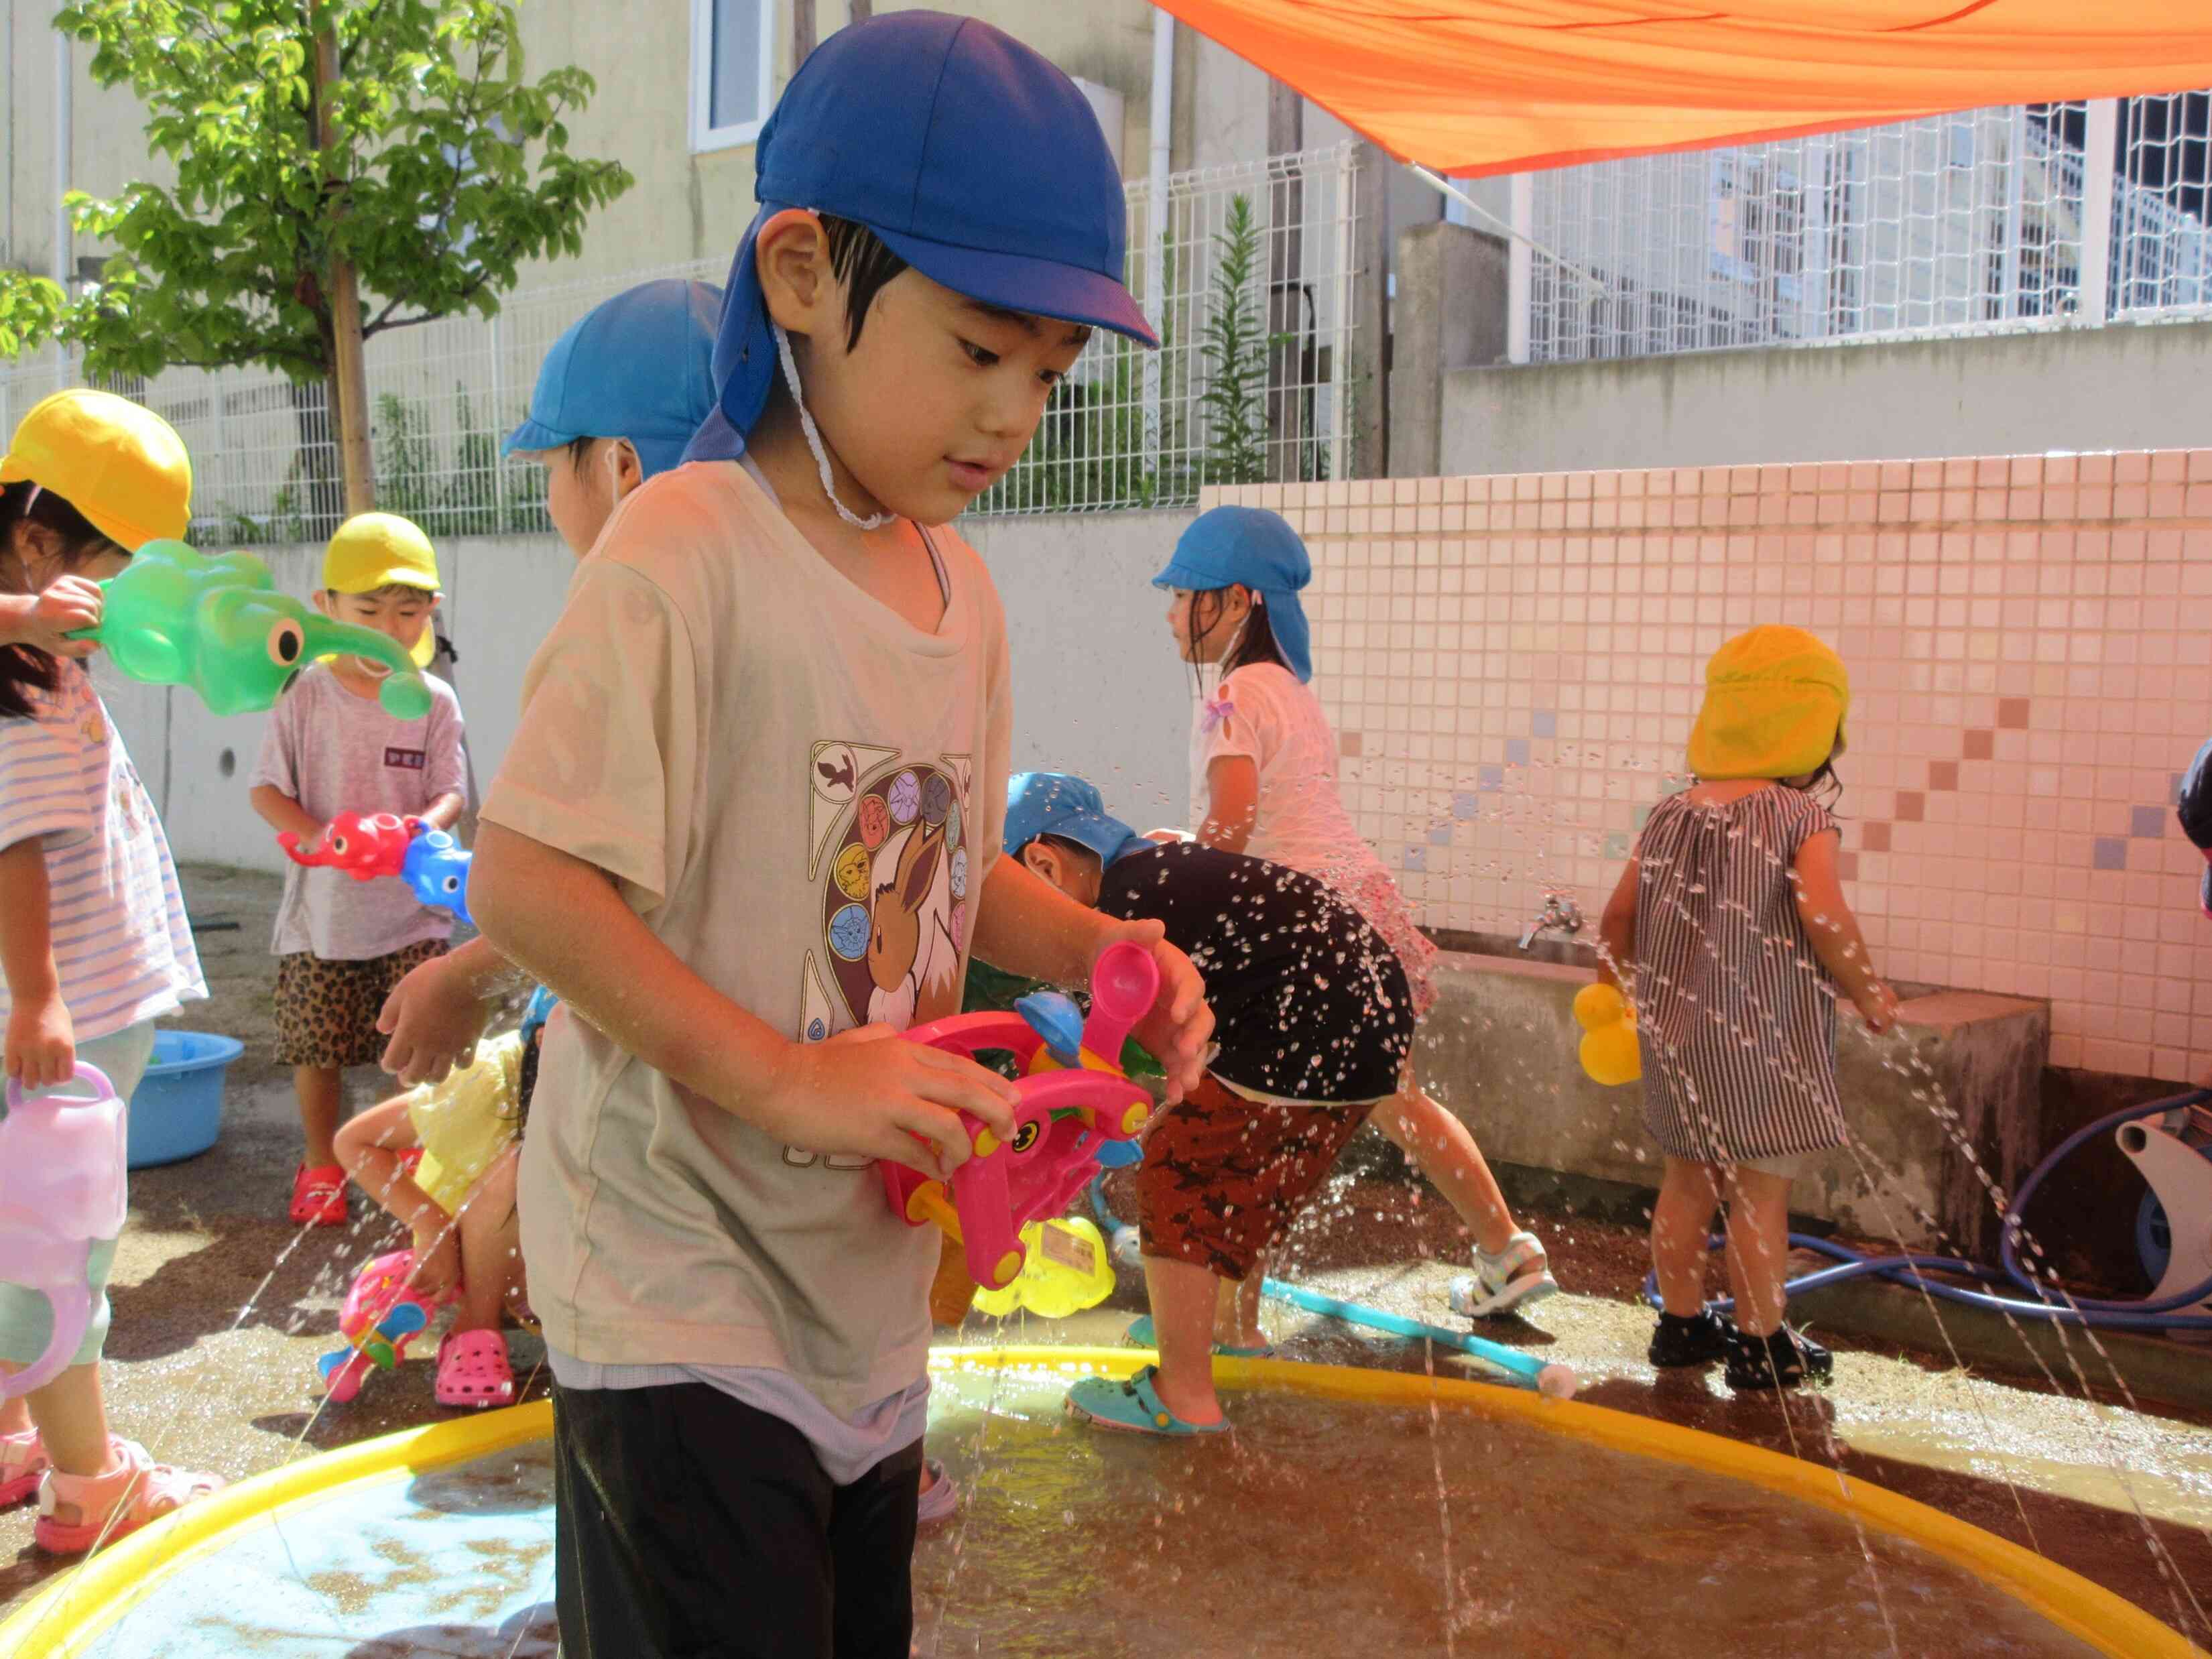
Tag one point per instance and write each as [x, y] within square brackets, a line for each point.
[116, 462]
[1775, 702]
[382, 550]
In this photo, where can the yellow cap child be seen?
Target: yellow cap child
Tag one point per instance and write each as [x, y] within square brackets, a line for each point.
[1775, 702]
[118, 463]
[373, 551]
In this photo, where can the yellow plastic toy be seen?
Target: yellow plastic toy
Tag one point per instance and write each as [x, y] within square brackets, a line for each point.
[1609, 1051]
[1064, 1269]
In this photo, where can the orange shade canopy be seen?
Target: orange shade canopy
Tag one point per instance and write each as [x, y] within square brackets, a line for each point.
[1473, 86]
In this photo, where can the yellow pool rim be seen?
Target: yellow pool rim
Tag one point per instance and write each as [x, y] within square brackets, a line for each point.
[65, 1619]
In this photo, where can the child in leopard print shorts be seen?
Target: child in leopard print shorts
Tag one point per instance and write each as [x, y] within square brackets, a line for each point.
[343, 946]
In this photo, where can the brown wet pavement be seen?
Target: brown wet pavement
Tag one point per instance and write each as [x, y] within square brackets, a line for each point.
[2123, 1498]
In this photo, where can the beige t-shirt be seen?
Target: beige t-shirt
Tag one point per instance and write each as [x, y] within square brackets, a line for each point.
[800, 794]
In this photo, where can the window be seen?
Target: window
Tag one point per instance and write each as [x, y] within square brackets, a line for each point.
[732, 57]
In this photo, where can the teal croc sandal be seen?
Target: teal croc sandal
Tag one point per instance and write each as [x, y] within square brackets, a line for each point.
[1140, 1334]
[1135, 1406]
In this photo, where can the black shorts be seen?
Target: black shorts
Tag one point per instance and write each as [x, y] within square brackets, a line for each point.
[693, 1525]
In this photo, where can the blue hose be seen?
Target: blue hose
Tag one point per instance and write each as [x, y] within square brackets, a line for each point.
[1911, 1268]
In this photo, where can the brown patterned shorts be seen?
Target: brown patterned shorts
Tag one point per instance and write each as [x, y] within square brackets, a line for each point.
[326, 1010]
[1224, 1176]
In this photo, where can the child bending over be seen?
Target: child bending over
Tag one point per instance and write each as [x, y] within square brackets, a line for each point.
[456, 1195]
[1312, 1023]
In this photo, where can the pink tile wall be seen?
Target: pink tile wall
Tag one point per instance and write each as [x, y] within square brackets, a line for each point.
[1513, 663]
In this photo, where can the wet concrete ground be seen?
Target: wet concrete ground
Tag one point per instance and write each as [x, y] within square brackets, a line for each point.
[205, 1380]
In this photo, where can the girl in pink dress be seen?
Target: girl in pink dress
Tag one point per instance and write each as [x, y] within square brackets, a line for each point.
[1263, 783]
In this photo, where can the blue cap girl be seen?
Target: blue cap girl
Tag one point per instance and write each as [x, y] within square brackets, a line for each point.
[1263, 783]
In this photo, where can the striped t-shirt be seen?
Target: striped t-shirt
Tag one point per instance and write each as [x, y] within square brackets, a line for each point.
[122, 947]
[1735, 1013]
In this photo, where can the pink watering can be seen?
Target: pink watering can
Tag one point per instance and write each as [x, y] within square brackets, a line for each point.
[1074, 1098]
[62, 1191]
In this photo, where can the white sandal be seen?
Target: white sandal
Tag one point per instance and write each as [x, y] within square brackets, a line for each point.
[1494, 1288]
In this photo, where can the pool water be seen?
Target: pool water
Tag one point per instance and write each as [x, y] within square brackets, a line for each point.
[1316, 1529]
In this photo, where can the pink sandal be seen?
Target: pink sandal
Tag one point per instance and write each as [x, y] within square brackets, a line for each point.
[22, 1460]
[473, 1369]
[115, 1505]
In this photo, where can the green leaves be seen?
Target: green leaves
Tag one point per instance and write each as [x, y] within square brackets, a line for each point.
[446, 170]
[1234, 343]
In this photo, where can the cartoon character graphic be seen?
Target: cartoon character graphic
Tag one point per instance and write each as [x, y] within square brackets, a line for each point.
[910, 944]
[892, 861]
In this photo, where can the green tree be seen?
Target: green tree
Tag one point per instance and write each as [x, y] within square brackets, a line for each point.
[396, 145]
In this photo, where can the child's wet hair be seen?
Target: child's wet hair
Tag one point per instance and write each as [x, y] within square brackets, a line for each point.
[1825, 783]
[23, 666]
[861, 260]
[1255, 645]
[580, 450]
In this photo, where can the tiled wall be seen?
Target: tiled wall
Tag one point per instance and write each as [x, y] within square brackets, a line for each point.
[1513, 663]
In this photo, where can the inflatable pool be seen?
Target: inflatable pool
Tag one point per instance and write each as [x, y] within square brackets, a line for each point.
[1354, 1511]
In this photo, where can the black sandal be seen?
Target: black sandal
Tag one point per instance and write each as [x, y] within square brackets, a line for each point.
[1697, 1340]
[1784, 1360]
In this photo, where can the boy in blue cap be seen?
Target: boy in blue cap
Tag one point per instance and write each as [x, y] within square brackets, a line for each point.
[1315, 1023]
[749, 829]
[616, 399]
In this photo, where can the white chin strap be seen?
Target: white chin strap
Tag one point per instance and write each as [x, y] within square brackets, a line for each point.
[874, 520]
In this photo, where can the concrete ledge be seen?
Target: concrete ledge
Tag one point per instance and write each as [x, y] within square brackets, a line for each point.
[2153, 1368]
[1498, 1049]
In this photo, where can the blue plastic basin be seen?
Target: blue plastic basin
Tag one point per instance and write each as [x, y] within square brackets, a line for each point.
[176, 1111]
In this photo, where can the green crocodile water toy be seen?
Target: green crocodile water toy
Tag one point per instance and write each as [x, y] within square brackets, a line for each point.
[220, 626]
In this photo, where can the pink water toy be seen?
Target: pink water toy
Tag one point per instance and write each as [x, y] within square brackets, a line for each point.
[62, 1191]
[382, 1314]
[1073, 1099]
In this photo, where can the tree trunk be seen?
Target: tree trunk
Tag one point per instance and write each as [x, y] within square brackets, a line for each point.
[351, 382]
[802, 30]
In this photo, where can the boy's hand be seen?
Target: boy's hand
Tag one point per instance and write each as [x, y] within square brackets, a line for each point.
[67, 604]
[41, 1050]
[1180, 1028]
[1877, 1007]
[869, 1093]
[434, 1026]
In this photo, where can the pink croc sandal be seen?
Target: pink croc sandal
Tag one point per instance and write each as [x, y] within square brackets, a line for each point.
[473, 1369]
[113, 1505]
[22, 1461]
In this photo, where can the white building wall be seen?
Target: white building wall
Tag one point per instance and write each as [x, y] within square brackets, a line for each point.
[2146, 386]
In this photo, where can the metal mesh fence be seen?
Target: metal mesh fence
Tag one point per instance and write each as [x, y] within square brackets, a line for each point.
[1253, 269]
[1974, 222]
[442, 396]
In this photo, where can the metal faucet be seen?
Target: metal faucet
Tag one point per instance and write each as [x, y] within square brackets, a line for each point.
[1559, 914]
